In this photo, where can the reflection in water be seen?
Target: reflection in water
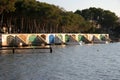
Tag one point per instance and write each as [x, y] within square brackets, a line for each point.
[71, 62]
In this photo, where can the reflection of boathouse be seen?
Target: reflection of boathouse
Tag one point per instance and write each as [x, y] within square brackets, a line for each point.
[53, 38]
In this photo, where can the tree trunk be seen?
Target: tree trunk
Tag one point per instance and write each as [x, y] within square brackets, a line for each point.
[22, 20]
[1, 23]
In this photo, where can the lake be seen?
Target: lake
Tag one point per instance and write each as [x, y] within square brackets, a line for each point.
[70, 62]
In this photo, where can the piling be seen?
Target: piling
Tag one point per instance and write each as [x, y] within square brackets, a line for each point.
[13, 50]
[50, 49]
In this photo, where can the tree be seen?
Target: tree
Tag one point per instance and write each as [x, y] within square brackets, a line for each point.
[97, 16]
[108, 21]
[6, 6]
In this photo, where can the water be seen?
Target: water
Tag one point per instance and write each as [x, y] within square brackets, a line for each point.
[72, 62]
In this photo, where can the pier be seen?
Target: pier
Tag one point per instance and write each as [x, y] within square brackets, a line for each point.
[28, 47]
[39, 41]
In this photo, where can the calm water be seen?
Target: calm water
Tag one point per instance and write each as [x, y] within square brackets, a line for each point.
[73, 62]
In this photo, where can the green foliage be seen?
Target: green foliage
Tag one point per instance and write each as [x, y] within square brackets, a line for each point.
[97, 16]
[31, 16]
[7, 5]
[109, 18]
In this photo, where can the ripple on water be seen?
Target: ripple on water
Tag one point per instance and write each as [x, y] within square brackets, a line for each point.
[74, 62]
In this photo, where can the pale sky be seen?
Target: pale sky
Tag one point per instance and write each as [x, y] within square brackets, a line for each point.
[73, 5]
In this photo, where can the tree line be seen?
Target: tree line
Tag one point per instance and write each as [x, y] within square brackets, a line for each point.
[31, 16]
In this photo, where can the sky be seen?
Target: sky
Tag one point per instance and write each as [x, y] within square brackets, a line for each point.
[73, 5]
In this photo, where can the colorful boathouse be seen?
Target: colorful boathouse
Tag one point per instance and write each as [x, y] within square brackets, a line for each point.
[50, 38]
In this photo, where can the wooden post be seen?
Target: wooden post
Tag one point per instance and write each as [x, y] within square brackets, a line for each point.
[50, 49]
[13, 50]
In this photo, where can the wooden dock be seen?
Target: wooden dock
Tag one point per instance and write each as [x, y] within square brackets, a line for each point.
[27, 47]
